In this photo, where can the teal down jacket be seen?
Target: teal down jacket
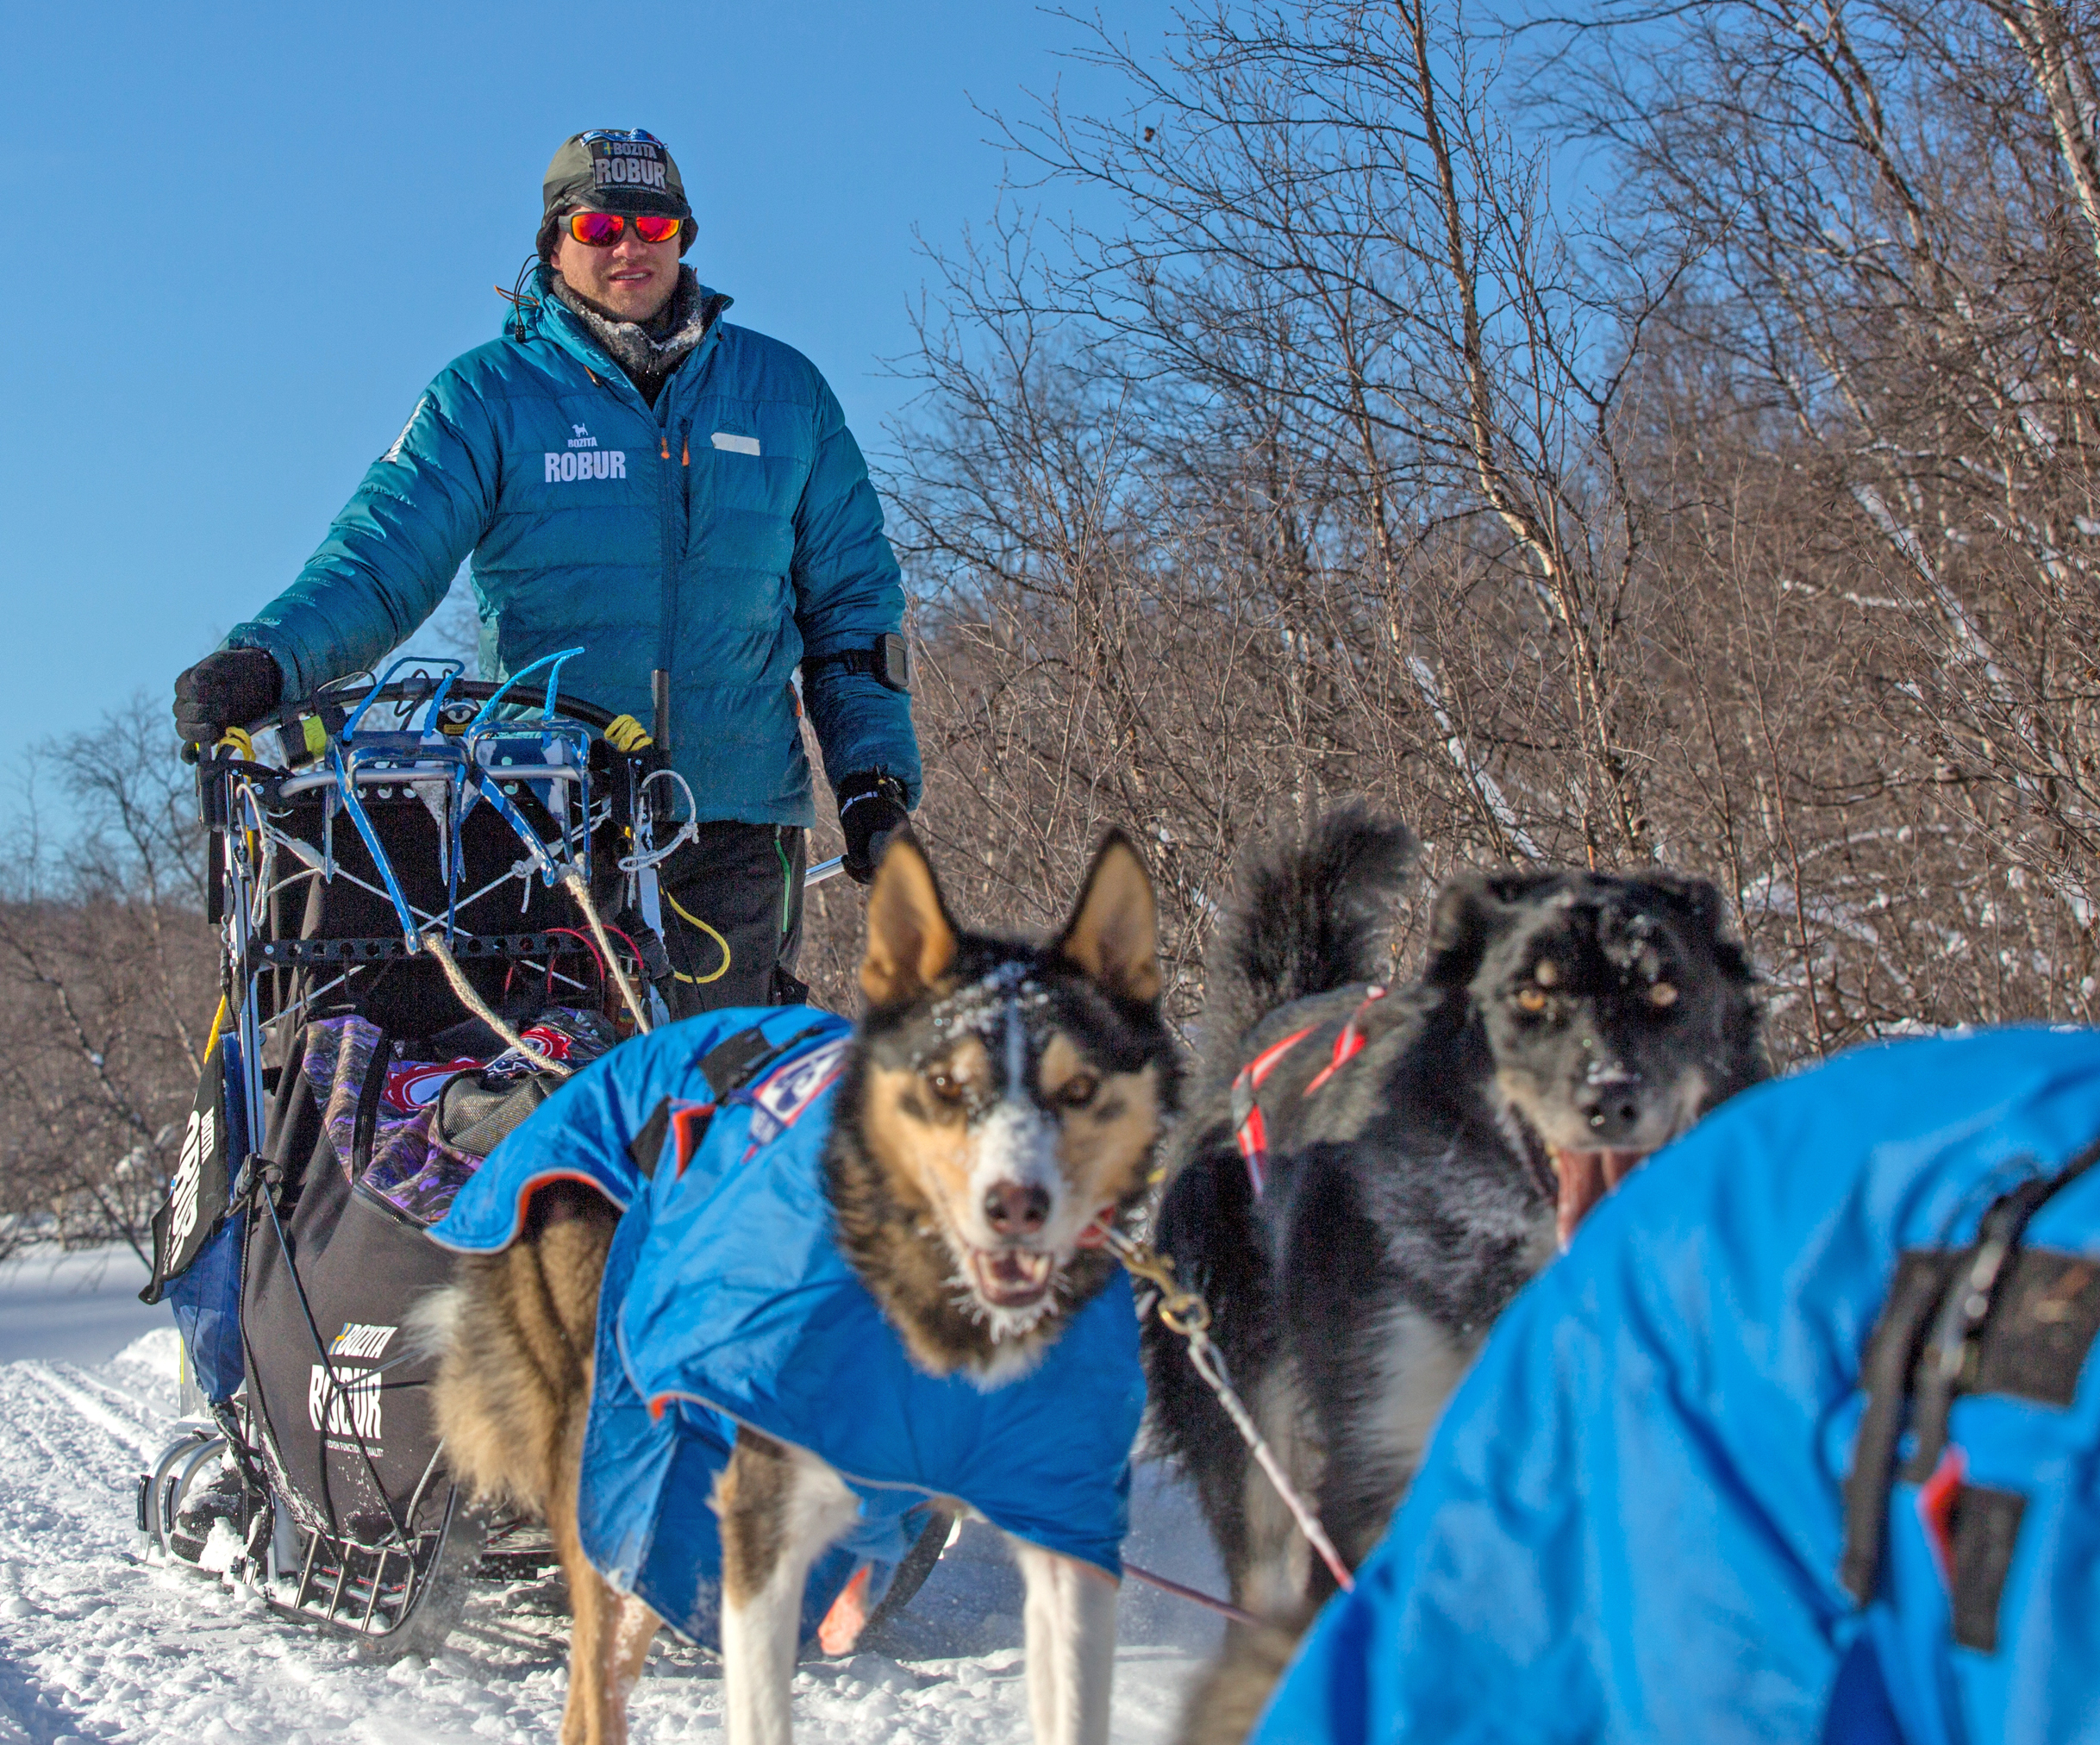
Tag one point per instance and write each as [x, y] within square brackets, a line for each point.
[723, 536]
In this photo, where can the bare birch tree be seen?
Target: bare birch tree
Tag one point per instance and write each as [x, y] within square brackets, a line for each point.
[1899, 271]
[108, 979]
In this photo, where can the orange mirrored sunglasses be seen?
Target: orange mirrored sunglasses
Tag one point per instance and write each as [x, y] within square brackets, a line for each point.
[603, 229]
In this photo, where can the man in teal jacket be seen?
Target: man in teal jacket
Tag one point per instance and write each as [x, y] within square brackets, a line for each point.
[679, 496]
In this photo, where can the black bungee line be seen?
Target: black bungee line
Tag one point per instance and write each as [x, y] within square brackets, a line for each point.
[328, 1364]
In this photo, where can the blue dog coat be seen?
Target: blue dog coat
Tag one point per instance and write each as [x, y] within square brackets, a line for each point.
[1630, 1522]
[725, 1302]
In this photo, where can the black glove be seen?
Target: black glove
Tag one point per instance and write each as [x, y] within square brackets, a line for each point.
[870, 811]
[228, 688]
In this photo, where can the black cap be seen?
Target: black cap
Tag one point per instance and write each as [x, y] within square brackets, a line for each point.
[614, 170]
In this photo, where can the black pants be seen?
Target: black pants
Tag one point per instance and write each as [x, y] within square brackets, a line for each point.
[733, 917]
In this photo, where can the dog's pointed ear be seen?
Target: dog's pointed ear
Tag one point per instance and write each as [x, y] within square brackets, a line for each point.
[1470, 912]
[911, 942]
[1703, 901]
[1694, 894]
[1114, 933]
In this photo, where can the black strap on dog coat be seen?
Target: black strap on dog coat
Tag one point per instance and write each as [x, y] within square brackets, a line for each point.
[1993, 1317]
[727, 1067]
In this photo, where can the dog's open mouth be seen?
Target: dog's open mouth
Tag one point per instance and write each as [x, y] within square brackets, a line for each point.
[1574, 1180]
[1584, 1178]
[1010, 1277]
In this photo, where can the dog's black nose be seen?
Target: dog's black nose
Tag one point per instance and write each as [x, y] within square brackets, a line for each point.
[1612, 1115]
[1014, 1211]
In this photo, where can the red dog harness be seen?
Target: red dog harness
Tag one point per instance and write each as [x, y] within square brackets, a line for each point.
[1250, 1133]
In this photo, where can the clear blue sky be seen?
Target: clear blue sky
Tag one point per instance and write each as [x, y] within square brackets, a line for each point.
[246, 236]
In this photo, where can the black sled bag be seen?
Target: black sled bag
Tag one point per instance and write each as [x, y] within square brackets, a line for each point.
[339, 1391]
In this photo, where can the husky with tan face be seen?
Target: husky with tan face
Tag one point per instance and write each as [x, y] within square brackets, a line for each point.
[1007, 1099]
[995, 1116]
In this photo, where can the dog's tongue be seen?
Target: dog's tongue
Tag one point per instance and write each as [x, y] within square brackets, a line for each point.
[1585, 1178]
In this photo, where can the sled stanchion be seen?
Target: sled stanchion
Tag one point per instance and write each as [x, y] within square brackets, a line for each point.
[306, 1572]
[342, 1574]
[378, 1584]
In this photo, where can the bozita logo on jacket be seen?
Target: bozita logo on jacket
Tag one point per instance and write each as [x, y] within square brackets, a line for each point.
[584, 458]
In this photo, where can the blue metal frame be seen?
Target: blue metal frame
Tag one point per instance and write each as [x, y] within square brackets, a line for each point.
[465, 761]
[486, 730]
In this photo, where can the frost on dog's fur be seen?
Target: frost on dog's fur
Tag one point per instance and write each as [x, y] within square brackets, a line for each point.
[996, 1075]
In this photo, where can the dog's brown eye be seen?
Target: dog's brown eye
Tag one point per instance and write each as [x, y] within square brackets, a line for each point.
[1076, 1093]
[944, 1087]
[1531, 999]
[1662, 995]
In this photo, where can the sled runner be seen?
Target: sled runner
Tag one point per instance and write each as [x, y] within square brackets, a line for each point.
[436, 898]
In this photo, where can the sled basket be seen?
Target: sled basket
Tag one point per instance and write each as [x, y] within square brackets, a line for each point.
[349, 1091]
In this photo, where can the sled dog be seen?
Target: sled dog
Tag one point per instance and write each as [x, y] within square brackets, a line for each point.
[1366, 1175]
[996, 1109]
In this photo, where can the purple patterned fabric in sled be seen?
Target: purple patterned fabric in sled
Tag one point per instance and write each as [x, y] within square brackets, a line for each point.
[432, 1122]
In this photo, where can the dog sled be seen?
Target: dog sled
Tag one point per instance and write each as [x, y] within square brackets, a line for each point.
[436, 897]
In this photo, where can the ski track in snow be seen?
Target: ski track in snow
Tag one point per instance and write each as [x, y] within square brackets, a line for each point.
[98, 1645]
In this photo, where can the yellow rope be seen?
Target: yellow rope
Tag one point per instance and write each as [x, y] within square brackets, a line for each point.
[686, 914]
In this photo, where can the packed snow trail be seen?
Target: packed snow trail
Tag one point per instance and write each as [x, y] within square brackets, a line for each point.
[95, 1645]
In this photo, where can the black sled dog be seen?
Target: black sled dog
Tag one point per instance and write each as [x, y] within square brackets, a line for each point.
[995, 1114]
[1365, 1175]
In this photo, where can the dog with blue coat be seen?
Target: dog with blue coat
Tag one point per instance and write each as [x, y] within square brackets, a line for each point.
[1800, 1439]
[748, 1296]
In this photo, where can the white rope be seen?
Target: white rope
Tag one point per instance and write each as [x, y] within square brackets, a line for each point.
[1183, 1311]
[306, 1000]
[1211, 1364]
[480, 1008]
[574, 881]
[685, 833]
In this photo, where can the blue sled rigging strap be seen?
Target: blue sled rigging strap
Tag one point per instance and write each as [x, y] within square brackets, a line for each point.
[1995, 1317]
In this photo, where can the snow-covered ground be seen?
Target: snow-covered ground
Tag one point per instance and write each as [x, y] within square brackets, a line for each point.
[97, 1645]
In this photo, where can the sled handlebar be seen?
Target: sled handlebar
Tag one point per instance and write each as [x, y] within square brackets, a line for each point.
[328, 710]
